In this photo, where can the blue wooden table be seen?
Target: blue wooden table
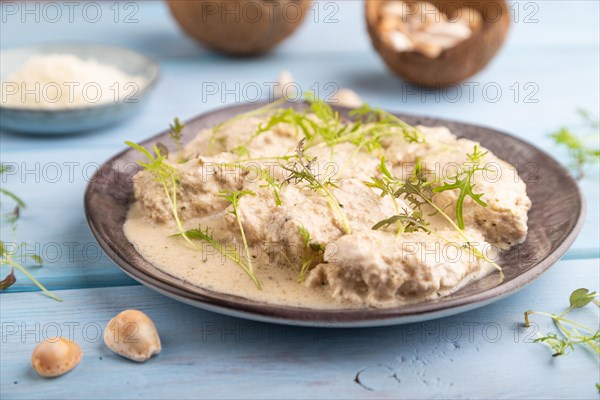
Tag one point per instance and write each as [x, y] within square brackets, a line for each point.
[548, 68]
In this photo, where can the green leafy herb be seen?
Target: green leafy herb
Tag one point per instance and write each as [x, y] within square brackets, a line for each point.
[299, 120]
[463, 182]
[409, 223]
[8, 281]
[9, 259]
[320, 124]
[301, 172]
[589, 118]
[233, 197]
[417, 191]
[312, 252]
[477, 155]
[14, 197]
[271, 107]
[241, 151]
[5, 168]
[272, 184]
[226, 249]
[581, 154]
[167, 176]
[384, 119]
[570, 333]
[388, 186]
[176, 135]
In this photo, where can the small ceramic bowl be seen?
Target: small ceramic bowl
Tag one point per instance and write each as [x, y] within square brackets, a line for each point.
[88, 117]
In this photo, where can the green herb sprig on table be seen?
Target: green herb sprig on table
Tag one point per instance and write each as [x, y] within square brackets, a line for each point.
[579, 152]
[8, 257]
[570, 333]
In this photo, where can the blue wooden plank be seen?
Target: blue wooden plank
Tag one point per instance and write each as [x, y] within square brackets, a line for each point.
[206, 355]
[53, 224]
[482, 353]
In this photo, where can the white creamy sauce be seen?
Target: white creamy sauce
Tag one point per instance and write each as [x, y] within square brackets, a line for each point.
[207, 269]
[355, 268]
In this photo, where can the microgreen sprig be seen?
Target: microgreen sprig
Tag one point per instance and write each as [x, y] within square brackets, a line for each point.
[20, 203]
[8, 257]
[301, 172]
[417, 191]
[226, 249]
[167, 176]
[570, 333]
[408, 222]
[176, 136]
[388, 186]
[381, 118]
[233, 197]
[580, 153]
[312, 252]
[273, 184]
[463, 182]
[242, 148]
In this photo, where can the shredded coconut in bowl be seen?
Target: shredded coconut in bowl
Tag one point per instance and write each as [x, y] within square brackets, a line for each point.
[60, 81]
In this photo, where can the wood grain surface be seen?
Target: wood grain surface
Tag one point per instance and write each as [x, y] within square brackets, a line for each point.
[548, 68]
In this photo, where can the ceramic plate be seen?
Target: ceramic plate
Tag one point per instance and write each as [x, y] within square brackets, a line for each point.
[74, 120]
[549, 185]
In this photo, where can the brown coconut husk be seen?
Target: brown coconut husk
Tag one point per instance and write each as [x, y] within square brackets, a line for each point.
[239, 27]
[455, 64]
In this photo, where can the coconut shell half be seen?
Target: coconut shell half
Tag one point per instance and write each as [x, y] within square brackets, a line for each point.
[455, 64]
[239, 27]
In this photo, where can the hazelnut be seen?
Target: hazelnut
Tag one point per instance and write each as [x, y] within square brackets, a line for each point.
[132, 334]
[346, 98]
[285, 85]
[399, 41]
[453, 29]
[55, 356]
[467, 16]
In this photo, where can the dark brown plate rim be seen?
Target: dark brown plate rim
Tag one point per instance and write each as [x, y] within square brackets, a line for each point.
[242, 307]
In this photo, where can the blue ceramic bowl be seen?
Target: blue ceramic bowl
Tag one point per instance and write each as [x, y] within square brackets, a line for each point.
[89, 117]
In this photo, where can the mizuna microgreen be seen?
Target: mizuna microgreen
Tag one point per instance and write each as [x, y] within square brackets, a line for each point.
[570, 333]
[301, 173]
[243, 147]
[312, 252]
[579, 151]
[167, 176]
[8, 257]
[382, 119]
[176, 136]
[226, 249]
[417, 191]
[233, 197]
[273, 184]
[463, 182]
